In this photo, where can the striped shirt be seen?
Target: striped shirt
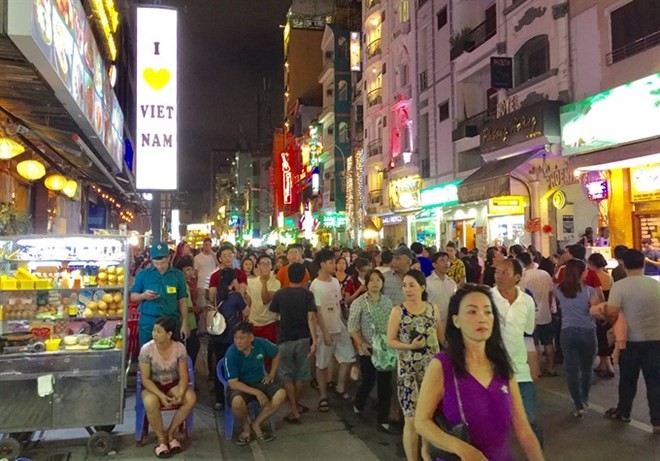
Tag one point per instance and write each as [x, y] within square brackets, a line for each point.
[365, 315]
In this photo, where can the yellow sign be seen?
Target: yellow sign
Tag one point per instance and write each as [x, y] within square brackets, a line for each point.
[506, 205]
[559, 200]
[645, 183]
[107, 17]
[405, 193]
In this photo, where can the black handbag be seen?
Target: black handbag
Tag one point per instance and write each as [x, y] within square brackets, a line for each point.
[459, 430]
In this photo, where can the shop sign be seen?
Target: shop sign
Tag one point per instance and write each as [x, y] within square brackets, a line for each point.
[443, 195]
[533, 225]
[561, 177]
[506, 205]
[645, 183]
[540, 119]
[287, 183]
[621, 115]
[559, 199]
[157, 111]
[355, 51]
[57, 38]
[392, 220]
[501, 72]
[405, 193]
[597, 190]
[333, 220]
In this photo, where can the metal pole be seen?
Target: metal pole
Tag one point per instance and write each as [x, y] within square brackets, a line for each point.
[155, 216]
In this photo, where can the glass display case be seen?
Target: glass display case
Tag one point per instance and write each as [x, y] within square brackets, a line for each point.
[63, 307]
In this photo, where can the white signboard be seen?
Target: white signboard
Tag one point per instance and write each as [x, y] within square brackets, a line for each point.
[157, 110]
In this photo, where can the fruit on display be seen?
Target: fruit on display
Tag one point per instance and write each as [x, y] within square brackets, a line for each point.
[108, 305]
[110, 276]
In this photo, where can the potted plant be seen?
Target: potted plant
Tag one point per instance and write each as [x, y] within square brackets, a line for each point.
[460, 41]
[13, 221]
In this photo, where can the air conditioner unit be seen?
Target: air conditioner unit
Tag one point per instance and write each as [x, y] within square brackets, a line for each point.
[327, 175]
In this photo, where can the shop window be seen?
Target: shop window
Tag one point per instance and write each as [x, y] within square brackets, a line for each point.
[343, 132]
[532, 59]
[342, 89]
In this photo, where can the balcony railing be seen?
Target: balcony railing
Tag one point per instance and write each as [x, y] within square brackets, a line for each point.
[375, 148]
[473, 39]
[375, 97]
[372, 3]
[373, 48]
[471, 126]
[634, 48]
[376, 197]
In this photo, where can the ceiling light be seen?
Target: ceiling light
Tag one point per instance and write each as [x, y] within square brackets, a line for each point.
[31, 169]
[10, 148]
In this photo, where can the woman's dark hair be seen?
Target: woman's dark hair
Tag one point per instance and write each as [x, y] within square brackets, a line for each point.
[341, 258]
[247, 258]
[547, 265]
[361, 263]
[490, 255]
[227, 276]
[378, 273]
[419, 278]
[168, 324]
[495, 350]
[597, 260]
[572, 283]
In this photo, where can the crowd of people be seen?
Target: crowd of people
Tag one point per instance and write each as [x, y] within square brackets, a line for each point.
[448, 338]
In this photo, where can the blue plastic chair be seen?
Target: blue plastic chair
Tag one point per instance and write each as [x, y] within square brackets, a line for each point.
[141, 421]
[253, 405]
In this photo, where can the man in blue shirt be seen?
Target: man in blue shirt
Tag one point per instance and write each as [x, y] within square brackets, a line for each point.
[160, 290]
[248, 380]
[425, 264]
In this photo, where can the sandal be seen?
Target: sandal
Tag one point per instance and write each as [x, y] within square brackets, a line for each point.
[324, 406]
[162, 451]
[613, 414]
[175, 446]
[265, 437]
[302, 409]
[242, 440]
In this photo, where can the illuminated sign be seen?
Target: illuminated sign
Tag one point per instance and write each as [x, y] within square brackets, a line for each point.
[392, 220]
[445, 194]
[56, 37]
[506, 205]
[597, 190]
[108, 20]
[355, 51]
[645, 183]
[559, 200]
[333, 220]
[620, 115]
[157, 111]
[405, 193]
[286, 179]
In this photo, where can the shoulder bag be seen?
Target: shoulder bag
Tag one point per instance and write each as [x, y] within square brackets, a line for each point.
[459, 430]
[383, 356]
[216, 324]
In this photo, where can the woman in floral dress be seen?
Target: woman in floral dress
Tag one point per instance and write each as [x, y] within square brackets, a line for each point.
[414, 329]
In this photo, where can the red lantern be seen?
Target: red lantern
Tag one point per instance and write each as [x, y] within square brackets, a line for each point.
[547, 228]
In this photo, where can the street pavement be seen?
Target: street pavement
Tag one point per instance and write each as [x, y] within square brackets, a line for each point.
[341, 435]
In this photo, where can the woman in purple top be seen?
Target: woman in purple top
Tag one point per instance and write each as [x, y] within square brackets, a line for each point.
[489, 394]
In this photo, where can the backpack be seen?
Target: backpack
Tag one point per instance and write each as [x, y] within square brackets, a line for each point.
[471, 275]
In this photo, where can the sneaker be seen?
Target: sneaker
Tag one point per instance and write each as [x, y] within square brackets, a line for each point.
[613, 414]
[578, 413]
[387, 429]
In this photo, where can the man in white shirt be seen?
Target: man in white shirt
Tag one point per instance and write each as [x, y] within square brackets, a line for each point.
[439, 285]
[518, 313]
[539, 283]
[334, 338]
[205, 263]
[260, 292]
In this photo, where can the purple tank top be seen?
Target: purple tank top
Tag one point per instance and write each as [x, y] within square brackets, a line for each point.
[487, 410]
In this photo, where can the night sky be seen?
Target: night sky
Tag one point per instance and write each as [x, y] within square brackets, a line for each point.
[226, 48]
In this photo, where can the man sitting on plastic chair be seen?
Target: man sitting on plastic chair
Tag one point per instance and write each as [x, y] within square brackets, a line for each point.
[165, 383]
[245, 372]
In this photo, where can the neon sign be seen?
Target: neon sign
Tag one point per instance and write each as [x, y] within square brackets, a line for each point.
[286, 178]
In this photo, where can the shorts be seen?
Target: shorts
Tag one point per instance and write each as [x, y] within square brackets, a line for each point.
[341, 348]
[165, 388]
[268, 332]
[544, 334]
[294, 361]
[269, 389]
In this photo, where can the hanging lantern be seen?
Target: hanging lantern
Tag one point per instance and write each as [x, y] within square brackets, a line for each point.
[55, 182]
[31, 169]
[9, 148]
[70, 188]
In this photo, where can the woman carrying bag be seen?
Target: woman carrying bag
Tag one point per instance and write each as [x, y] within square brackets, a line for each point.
[469, 399]
[367, 324]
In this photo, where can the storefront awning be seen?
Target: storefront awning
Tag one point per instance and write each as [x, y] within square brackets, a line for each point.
[492, 179]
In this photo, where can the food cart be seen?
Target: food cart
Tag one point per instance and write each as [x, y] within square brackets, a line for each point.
[63, 307]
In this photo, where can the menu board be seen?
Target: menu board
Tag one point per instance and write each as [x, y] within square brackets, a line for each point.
[61, 30]
[645, 183]
[649, 227]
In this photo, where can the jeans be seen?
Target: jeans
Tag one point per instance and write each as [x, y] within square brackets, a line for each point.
[644, 356]
[369, 375]
[528, 395]
[579, 346]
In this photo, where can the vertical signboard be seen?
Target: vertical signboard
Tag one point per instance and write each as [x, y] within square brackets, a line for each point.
[355, 52]
[287, 182]
[156, 132]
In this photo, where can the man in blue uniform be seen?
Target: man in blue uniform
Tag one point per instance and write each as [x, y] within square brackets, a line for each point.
[160, 290]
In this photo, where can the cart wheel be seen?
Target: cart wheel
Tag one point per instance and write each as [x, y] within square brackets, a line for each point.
[107, 429]
[10, 448]
[99, 444]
